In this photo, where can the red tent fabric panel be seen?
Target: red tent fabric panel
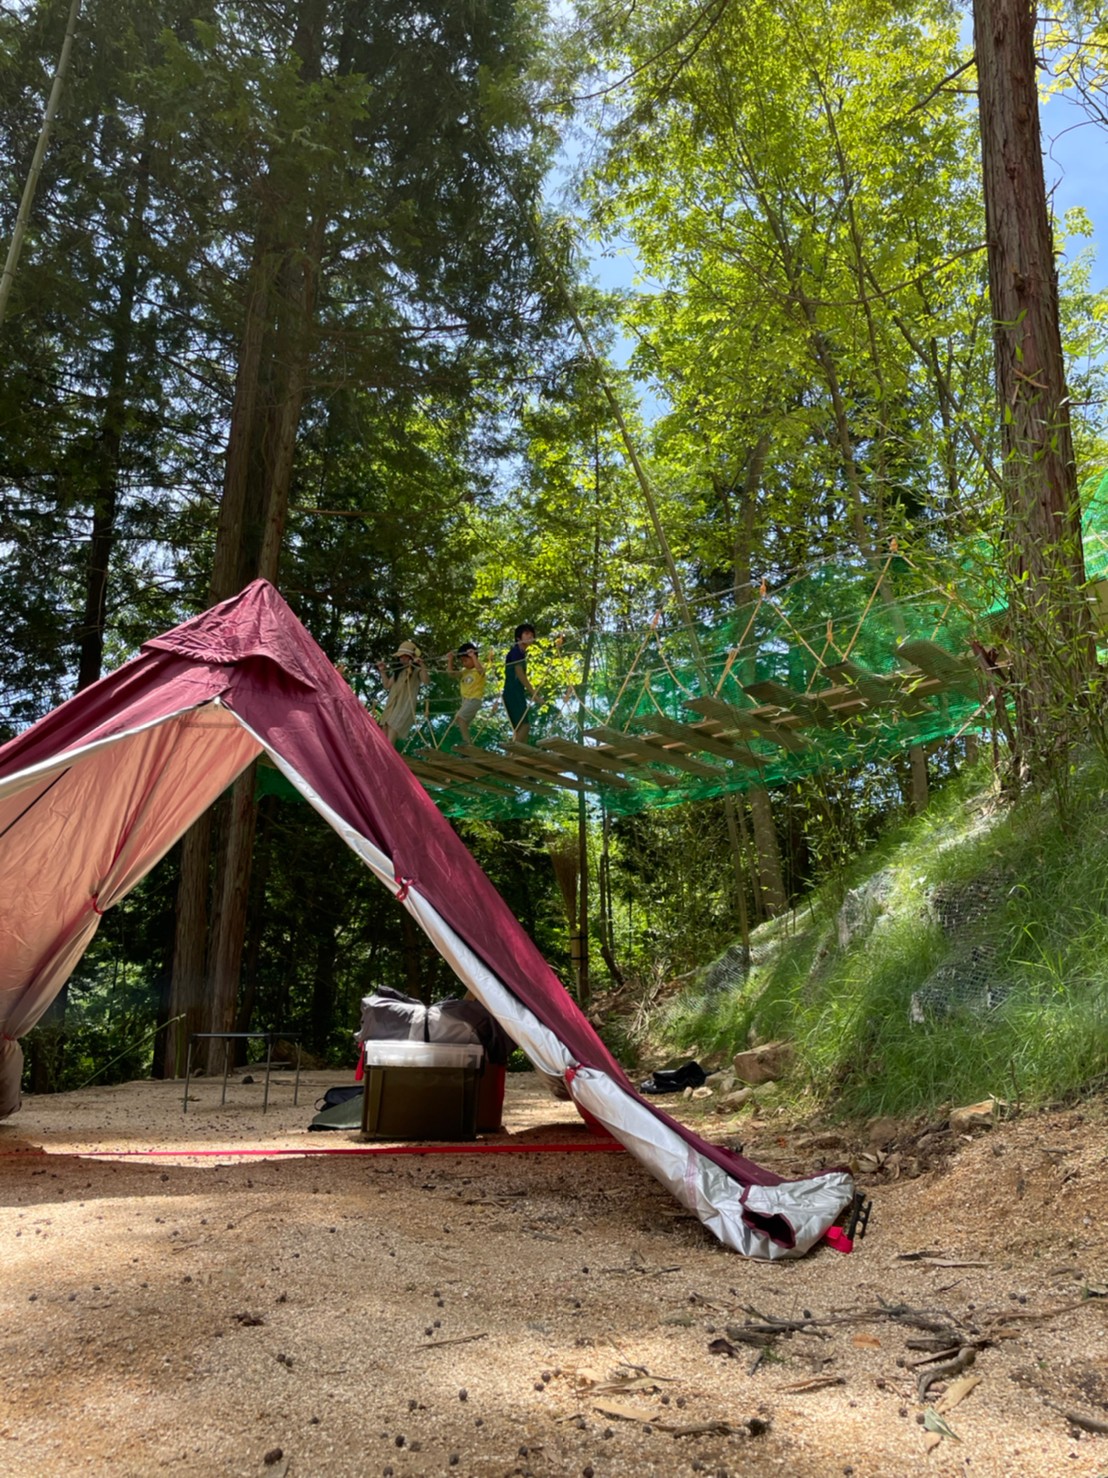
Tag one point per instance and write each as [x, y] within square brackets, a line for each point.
[253, 655]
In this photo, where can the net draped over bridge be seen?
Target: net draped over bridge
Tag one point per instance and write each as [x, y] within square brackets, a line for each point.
[849, 664]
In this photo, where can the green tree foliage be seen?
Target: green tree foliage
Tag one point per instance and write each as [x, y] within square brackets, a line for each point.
[801, 186]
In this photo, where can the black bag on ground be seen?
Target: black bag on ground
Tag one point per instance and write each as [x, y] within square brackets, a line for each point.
[339, 1108]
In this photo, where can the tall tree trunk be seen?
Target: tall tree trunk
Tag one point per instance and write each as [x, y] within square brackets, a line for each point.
[274, 353]
[187, 990]
[105, 496]
[768, 849]
[768, 886]
[102, 536]
[1050, 637]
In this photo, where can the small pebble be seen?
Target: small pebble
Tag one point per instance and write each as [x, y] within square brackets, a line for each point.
[463, 1394]
[274, 1455]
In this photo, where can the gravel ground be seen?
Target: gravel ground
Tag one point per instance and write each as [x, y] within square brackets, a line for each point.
[526, 1314]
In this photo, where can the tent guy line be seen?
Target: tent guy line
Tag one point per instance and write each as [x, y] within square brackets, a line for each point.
[323, 1149]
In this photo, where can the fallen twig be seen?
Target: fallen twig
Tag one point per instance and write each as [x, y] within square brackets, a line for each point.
[817, 1383]
[1086, 1423]
[699, 1429]
[962, 1361]
[1033, 1316]
[440, 1344]
[935, 1355]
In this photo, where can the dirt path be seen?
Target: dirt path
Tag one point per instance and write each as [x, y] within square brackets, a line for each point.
[333, 1316]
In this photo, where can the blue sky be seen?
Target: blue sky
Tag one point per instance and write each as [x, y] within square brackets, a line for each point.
[1075, 157]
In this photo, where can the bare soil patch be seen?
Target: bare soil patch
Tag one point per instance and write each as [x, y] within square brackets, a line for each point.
[334, 1315]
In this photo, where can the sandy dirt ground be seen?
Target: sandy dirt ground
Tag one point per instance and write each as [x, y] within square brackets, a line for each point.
[337, 1316]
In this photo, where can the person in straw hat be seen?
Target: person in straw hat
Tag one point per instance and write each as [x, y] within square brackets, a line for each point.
[402, 683]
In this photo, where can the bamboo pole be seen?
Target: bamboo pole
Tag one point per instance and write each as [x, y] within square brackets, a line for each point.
[19, 231]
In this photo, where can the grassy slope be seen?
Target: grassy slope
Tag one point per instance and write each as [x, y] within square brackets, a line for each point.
[847, 1009]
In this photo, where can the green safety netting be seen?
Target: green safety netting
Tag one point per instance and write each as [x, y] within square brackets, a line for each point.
[848, 664]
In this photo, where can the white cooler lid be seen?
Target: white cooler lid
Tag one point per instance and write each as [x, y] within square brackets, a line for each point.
[423, 1054]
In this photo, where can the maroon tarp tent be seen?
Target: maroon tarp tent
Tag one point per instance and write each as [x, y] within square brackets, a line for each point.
[96, 792]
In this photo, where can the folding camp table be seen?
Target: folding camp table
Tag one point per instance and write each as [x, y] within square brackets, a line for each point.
[267, 1037]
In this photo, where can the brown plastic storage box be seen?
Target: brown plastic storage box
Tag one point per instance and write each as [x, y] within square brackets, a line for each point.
[420, 1090]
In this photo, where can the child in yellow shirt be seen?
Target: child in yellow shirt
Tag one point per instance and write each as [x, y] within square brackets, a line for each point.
[471, 676]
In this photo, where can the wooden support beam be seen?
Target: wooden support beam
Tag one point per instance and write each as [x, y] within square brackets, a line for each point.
[611, 763]
[747, 721]
[626, 743]
[697, 738]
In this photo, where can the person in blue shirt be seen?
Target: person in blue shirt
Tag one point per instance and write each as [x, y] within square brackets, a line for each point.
[518, 691]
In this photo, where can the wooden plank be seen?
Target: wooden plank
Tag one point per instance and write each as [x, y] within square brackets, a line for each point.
[491, 762]
[595, 770]
[799, 704]
[872, 686]
[877, 688]
[525, 769]
[427, 776]
[699, 738]
[841, 701]
[584, 754]
[459, 772]
[656, 752]
[953, 672]
[712, 729]
[613, 762]
[745, 721]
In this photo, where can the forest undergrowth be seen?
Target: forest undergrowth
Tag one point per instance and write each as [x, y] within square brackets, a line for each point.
[964, 956]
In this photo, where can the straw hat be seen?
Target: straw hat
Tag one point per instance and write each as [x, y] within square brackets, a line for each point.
[406, 649]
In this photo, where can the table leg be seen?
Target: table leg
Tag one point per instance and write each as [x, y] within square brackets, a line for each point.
[226, 1068]
[268, 1061]
[188, 1076]
[296, 1082]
